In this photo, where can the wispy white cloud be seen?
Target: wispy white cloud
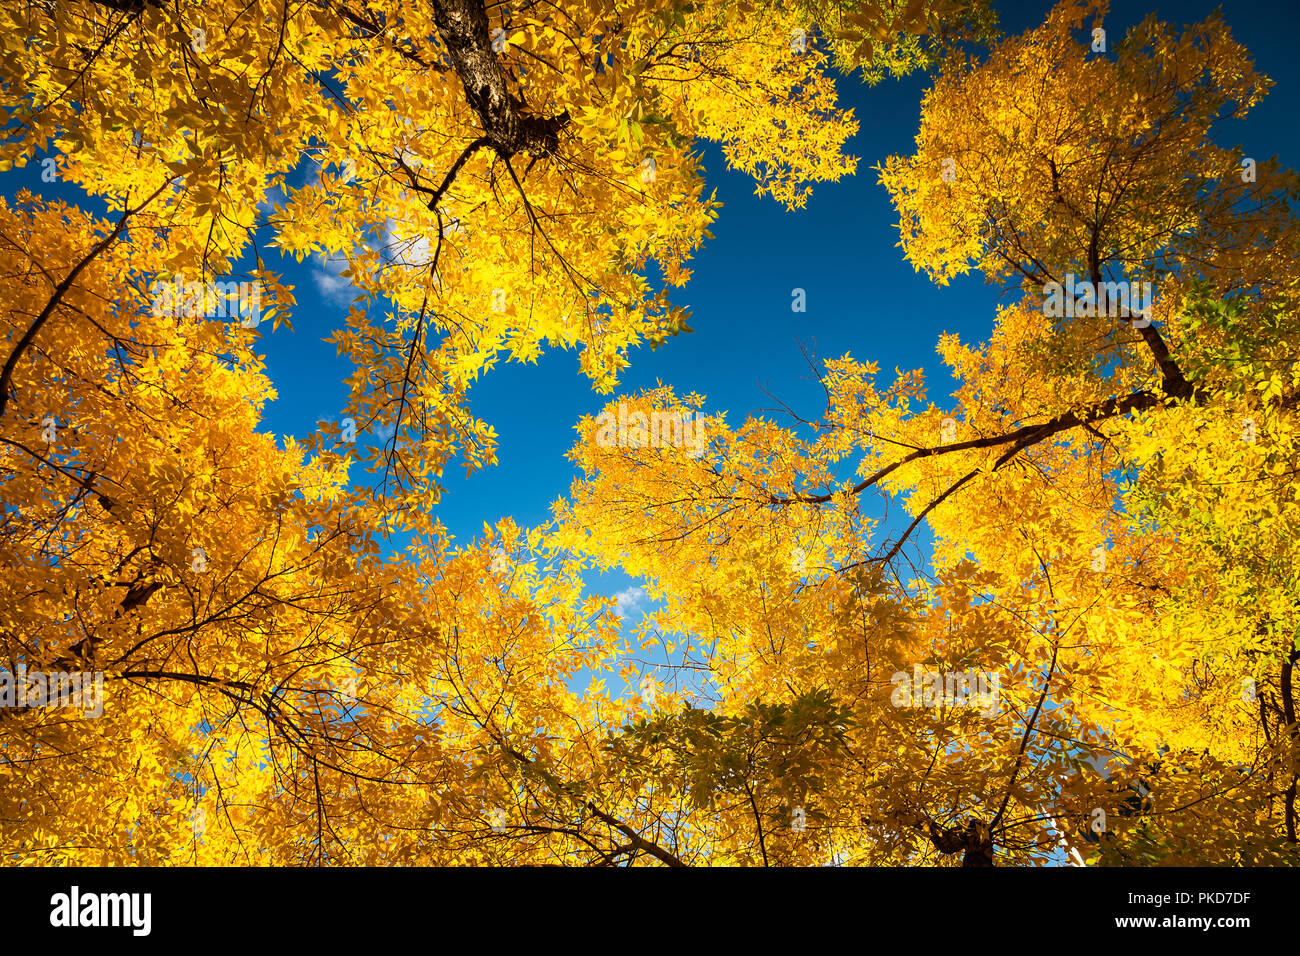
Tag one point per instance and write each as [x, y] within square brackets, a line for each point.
[333, 288]
[275, 196]
[629, 600]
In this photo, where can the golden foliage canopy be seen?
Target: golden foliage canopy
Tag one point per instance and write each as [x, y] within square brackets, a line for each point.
[1112, 498]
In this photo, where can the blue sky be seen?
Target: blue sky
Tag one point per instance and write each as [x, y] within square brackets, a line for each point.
[862, 298]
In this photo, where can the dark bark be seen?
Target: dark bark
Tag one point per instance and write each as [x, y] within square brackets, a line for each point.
[508, 127]
[975, 842]
[1293, 731]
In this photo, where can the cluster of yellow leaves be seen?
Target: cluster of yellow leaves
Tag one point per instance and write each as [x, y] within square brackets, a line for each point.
[277, 690]
[1111, 542]
[1112, 504]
